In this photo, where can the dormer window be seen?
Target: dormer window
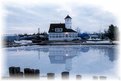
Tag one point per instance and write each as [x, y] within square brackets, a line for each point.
[58, 29]
[67, 19]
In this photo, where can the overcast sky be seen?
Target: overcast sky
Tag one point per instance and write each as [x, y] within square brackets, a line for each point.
[23, 17]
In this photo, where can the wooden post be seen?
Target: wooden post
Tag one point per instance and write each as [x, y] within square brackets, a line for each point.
[14, 71]
[95, 77]
[103, 77]
[65, 75]
[31, 73]
[20, 75]
[37, 72]
[27, 72]
[50, 75]
[78, 77]
[11, 71]
[17, 70]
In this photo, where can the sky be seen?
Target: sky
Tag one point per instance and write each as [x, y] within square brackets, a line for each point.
[27, 16]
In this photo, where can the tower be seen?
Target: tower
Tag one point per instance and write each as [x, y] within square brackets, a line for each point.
[68, 22]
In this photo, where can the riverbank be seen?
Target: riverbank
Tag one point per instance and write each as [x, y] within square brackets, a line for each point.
[64, 43]
[82, 43]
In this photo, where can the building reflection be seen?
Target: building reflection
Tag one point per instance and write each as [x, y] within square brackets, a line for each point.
[64, 55]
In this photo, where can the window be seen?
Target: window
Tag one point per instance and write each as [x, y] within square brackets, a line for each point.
[58, 29]
[56, 36]
[66, 35]
[67, 20]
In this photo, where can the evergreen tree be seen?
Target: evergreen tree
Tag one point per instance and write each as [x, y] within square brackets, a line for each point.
[112, 32]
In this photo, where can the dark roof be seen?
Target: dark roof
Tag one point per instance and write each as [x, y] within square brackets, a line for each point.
[53, 59]
[59, 25]
[63, 59]
[68, 17]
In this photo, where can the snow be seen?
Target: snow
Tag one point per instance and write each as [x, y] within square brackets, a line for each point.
[98, 42]
[23, 42]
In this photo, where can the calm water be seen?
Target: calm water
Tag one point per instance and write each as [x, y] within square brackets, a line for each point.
[84, 60]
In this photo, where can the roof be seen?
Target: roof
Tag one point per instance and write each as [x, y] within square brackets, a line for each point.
[59, 25]
[62, 59]
[68, 17]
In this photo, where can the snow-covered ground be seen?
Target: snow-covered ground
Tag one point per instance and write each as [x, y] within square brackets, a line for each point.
[101, 41]
[23, 42]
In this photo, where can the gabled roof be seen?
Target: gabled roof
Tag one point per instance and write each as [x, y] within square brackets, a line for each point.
[63, 59]
[67, 17]
[59, 25]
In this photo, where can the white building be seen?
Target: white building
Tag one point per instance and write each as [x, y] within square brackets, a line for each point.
[62, 31]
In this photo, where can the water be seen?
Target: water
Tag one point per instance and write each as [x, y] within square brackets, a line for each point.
[77, 59]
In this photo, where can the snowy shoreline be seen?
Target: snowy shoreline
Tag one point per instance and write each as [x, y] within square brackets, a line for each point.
[60, 43]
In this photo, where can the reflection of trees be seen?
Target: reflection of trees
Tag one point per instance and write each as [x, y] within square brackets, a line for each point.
[110, 51]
